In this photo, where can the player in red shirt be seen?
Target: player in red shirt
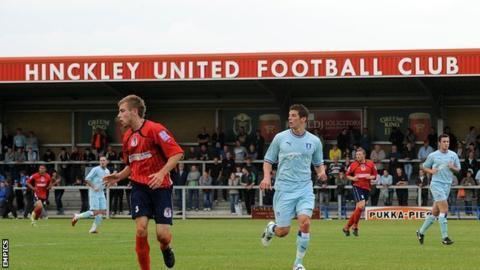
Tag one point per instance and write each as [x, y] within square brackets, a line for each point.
[150, 153]
[361, 172]
[40, 183]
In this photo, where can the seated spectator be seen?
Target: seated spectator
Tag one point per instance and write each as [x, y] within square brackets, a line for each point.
[203, 137]
[396, 137]
[218, 139]
[335, 153]
[203, 154]
[20, 155]
[424, 151]
[9, 155]
[239, 151]
[89, 155]
[19, 140]
[223, 152]
[377, 155]
[399, 179]
[252, 152]
[32, 141]
[31, 154]
[242, 137]
[470, 163]
[49, 156]
[461, 153]
[191, 154]
[410, 137]
[259, 143]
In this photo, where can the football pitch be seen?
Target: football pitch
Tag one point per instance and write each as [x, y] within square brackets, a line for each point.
[235, 244]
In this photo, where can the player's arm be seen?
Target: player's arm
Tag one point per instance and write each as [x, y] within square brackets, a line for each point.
[455, 165]
[321, 172]
[428, 166]
[270, 158]
[113, 178]
[29, 184]
[156, 179]
[317, 160]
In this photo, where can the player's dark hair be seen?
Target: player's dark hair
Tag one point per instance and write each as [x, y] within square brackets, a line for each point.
[442, 136]
[301, 109]
[134, 101]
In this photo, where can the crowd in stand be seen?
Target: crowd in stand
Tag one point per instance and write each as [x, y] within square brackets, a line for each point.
[231, 164]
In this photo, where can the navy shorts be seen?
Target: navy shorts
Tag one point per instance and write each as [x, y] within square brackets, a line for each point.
[360, 194]
[152, 203]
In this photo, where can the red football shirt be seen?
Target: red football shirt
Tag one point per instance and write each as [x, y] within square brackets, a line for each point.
[362, 171]
[147, 150]
[40, 182]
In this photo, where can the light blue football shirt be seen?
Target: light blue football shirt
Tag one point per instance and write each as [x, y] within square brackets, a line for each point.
[295, 155]
[440, 161]
[95, 176]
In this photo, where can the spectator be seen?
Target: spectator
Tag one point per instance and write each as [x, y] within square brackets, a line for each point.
[468, 181]
[203, 137]
[228, 165]
[6, 199]
[374, 191]
[192, 181]
[252, 169]
[7, 141]
[223, 152]
[343, 140]
[341, 181]
[242, 137]
[111, 155]
[259, 143]
[49, 156]
[191, 154]
[424, 151]
[452, 198]
[335, 153]
[31, 154]
[32, 141]
[76, 170]
[365, 141]
[179, 177]
[65, 172]
[58, 181]
[21, 182]
[334, 168]
[89, 155]
[470, 163]
[233, 181]
[386, 193]
[400, 180]
[323, 197]
[377, 155]
[83, 194]
[354, 135]
[215, 171]
[99, 141]
[410, 137]
[461, 153]
[453, 139]
[432, 138]
[396, 137]
[423, 182]
[206, 180]
[471, 136]
[252, 152]
[203, 154]
[218, 139]
[393, 157]
[249, 194]
[19, 140]
[240, 151]
[408, 155]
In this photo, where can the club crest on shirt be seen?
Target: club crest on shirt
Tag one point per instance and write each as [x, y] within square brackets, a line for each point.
[308, 145]
[134, 141]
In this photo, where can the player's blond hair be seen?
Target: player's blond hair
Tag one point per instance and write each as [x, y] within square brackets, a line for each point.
[134, 101]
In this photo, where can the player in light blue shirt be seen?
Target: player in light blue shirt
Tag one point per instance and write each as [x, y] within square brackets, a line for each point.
[440, 164]
[295, 150]
[96, 195]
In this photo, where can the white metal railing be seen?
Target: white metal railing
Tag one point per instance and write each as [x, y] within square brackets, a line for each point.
[259, 193]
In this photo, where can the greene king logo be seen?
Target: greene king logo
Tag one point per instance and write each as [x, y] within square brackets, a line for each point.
[5, 251]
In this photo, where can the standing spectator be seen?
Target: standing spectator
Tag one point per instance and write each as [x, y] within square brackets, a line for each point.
[8, 205]
[19, 193]
[111, 155]
[453, 139]
[399, 180]
[341, 181]
[58, 181]
[19, 140]
[240, 151]
[233, 181]
[32, 141]
[179, 179]
[99, 141]
[7, 141]
[393, 157]
[468, 181]
[374, 191]
[424, 151]
[252, 152]
[83, 194]
[334, 169]
[49, 156]
[203, 137]
[19, 158]
[432, 138]
[249, 194]
[365, 141]
[377, 155]
[423, 182]
[410, 137]
[396, 137]
[29, 198]
[218, 138]
[215, 171]
[89, 156]
[452, 198]
[386, 193]
[343, 140]
[242, 137]
[461, 153]
[470, 163]
[9, 158]
[335, 153]
[76, 169]
[223, 152]
[32, 156]
[323, 197]
[228, 166]
[192, 181]
[206, 180]
[408, 155]
[471, 136]
[259, 143]
[65, 173]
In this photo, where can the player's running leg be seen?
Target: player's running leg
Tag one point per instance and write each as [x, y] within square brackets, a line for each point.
[303, 239]
[164, 236]
[142, 248]
[429, 220]
[442, 220]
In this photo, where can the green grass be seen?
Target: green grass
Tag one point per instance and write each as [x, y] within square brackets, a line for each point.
[235, 244]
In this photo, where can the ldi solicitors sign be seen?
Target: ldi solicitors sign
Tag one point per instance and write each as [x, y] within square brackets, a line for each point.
[396, 213]
[242, 66]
